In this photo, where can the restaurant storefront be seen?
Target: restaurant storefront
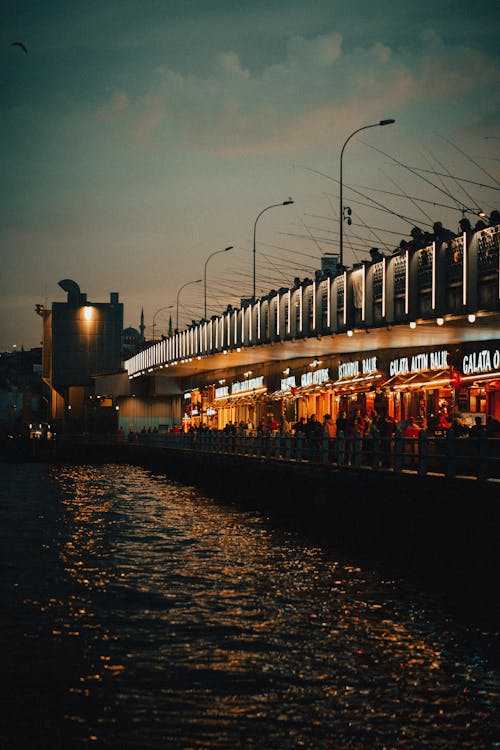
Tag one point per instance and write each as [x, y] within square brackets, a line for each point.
[429, 384]
[240, 401]
[305, 390]
[478, 378]
[420, 386]
[438, 386]
[357, 386]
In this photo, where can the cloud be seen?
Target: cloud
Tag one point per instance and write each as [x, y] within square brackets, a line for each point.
[146, 123]
[114, 109]
[320, 51]
[313, 93]
[229, 63]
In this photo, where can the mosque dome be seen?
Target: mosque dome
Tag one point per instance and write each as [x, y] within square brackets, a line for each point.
[131, 341]
[131, 334]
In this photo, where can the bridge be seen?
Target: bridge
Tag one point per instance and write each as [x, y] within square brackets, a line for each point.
[438, 295]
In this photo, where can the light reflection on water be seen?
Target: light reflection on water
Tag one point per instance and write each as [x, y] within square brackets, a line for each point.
[152, 617]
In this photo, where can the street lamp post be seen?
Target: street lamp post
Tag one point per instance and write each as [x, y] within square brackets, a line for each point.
[224, 250]
[274, 205]
[365, 127]
[198, 281]
[168, 307]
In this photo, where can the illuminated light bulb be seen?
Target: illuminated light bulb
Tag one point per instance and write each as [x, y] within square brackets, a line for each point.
[413, 324]
[349, 333]
[471, 318]
[440, 321]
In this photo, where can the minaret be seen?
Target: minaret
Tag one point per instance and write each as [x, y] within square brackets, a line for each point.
[142, 326]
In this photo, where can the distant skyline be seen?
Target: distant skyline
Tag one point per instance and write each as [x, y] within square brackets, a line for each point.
[139, 138]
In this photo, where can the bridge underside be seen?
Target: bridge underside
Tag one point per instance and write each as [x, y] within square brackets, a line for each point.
[427, 334]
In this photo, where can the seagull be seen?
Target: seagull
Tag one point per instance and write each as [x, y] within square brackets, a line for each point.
[21, 45]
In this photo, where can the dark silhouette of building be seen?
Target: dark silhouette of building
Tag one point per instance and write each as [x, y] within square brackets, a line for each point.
[81, 339]
[21, 390]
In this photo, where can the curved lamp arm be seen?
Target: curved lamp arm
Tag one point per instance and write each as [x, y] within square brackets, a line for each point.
[273, 205]
[167, 307]
[198, 281]
[341, 211]
[224, 250]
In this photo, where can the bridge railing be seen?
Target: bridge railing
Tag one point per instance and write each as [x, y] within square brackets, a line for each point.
[449, 456]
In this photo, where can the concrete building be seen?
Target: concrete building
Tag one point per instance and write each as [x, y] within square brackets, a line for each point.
[81, 339]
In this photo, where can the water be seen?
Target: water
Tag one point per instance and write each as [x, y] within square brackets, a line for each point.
[138, 613]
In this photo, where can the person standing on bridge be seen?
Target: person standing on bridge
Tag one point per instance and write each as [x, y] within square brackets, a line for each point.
[387, 429]
[300, 426]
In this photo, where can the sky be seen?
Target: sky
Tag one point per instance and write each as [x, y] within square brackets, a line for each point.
[139, 138]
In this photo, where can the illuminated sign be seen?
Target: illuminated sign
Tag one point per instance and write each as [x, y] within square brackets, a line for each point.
[288, 383]
[316, 377]
[210, 412]
[247, 385]
[419, 362]
[187, 395]
[483, 361]
[358, 367]
[222, 392]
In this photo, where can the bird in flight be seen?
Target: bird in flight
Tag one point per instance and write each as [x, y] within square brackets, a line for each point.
[20, 45]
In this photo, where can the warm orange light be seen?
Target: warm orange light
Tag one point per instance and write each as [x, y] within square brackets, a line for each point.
[87, 313]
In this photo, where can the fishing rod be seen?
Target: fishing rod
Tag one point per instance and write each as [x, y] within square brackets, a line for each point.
[310, 234]
[352, 236]
[329, 218]
[407, 196]
[440, 174]
[372, 230]
[413, 170]
[421, 200]
[287, 249]
[459, 186]
[384, 209]
[366, 197]
[469, 158]
[305, 236]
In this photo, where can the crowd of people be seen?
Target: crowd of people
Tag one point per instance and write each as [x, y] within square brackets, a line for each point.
[421, 238]
[351, 435]
[348, 424]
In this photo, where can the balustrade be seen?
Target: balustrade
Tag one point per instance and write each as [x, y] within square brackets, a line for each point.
[476, 457]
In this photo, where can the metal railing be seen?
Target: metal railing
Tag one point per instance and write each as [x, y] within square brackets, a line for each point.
[448, 456]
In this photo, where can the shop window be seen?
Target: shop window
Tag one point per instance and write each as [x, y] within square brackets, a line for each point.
[477, 400]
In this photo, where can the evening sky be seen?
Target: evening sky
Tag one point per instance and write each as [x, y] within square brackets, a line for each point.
[138, 138]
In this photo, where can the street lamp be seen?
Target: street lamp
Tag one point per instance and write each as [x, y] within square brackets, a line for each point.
[224, 250]
[283, 203]
[168, 307]
[198, 281]
[365, 127]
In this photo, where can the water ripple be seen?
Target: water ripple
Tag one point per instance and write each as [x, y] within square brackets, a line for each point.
[145, 615]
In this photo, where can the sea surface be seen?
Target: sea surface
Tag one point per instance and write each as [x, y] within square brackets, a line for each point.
[139, 613]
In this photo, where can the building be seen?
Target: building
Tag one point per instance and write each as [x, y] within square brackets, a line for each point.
[81, 339]
[22, 394]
